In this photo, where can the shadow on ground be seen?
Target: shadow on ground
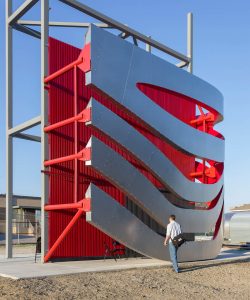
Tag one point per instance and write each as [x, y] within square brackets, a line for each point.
[212, 265]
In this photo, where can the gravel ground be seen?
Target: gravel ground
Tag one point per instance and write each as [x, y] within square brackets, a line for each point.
[203, 280]
[20, 249]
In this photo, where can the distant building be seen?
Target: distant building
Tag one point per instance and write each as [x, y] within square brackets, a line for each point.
[237, 226]
[243, 207]
[26, 214]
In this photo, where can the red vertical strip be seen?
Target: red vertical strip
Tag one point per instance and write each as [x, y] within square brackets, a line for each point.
[76, 162]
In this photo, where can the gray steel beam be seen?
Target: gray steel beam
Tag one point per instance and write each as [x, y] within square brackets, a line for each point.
[27, 5]
[148, 47]
[27, 30]
[190, 41]
[44, 121]
[24, 126]
[123, 35]
[29, 137]
[9, 121]
[135, 41]
[62, 24]
[103, 18]
[182, 64]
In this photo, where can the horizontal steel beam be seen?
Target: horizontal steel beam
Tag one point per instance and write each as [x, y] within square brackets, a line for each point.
[29, 137]
[115, 24]
[24, 126]
[63, 24]
[27, 30]
[181, 64]
[16, 15]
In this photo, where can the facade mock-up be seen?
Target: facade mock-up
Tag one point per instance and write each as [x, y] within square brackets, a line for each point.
[131, 142]
[127, 139]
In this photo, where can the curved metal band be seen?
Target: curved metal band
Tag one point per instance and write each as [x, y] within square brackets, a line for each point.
[127, 178]
[150, 156]
[125, 65]
[116, 221]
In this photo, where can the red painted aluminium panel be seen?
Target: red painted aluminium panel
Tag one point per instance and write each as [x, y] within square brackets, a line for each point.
[84, 240]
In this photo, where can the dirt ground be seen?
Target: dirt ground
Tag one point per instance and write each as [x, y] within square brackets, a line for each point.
[203, 280]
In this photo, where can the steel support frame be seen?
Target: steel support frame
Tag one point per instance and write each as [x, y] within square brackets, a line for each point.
[190, 42]
[24, 126]
[62, 24]
[44, 122]
[9, 123]
[13, 22]
[124, 28]
[190, 70]
[16, 15]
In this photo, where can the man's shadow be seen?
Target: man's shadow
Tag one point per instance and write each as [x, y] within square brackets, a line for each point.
[214, 264]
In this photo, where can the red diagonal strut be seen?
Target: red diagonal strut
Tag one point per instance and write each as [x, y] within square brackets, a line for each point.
[63, 235]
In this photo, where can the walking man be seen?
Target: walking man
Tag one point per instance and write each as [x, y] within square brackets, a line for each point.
[173, 229]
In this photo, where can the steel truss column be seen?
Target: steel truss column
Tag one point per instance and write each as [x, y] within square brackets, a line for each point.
[190, 70]
[9, 139]
[26, 6]
[190, 41]
[148, 46]
[44, 121]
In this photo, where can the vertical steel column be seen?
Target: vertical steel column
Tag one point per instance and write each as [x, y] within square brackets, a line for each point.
[44, 121]
[190, 41]
[9, 139]
[190, 70]
[148, 47]
[76, 162]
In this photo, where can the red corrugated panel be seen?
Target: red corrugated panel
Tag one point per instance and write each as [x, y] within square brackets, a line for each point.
[84, 239]
[179, 107]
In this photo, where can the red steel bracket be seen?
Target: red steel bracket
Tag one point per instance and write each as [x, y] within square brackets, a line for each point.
[85, 54]
[83, 116]
[83, 155]
[83, 204]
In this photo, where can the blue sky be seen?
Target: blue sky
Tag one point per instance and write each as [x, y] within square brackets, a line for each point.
[221, 56]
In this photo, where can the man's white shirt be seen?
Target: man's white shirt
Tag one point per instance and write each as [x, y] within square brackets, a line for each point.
[173, 229]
